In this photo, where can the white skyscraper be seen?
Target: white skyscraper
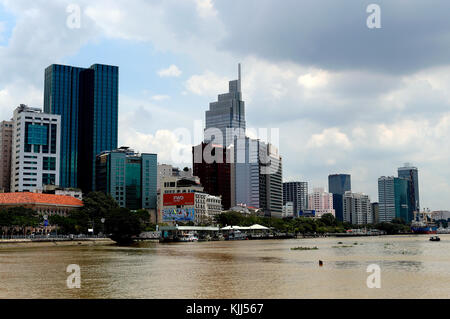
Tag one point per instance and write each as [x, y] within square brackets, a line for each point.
[35, 159]
[357, 208]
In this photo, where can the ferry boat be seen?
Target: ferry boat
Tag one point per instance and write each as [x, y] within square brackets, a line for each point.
[423, 223]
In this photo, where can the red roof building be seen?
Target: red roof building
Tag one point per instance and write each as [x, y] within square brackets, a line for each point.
[44, 204]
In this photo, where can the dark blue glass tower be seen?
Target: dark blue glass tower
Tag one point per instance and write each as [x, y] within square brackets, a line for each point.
[87, 100]
[338, 184]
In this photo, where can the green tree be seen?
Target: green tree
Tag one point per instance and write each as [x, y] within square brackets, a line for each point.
[122, 225]
[97, 205]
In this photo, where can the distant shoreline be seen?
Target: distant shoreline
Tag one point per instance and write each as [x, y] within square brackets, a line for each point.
[20, 243]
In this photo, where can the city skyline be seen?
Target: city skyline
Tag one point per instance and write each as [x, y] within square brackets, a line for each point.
[395, 118]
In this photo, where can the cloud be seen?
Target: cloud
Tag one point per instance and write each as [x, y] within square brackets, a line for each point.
[207, 84]
[171, 71]
[160, 97]
[205, 8]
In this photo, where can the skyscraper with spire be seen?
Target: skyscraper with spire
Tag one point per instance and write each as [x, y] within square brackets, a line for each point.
[226, 115]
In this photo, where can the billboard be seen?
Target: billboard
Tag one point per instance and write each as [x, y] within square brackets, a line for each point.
[178, 214]
[178, 199]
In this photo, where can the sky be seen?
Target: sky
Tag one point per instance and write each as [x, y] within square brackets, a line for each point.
[346, 98]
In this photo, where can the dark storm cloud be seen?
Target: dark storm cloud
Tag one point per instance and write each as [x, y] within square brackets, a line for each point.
[333, 34]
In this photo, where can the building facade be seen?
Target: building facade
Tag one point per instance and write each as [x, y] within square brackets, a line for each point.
[357, 209]
[87, 100]
[35, 154]
[338, 184]
[375, 213]
[321, 202]
[412, 175]
[226, 116]
[43, 204]
[270, 181]
[297, 193]
[6, 136]
[217, 174]
[393, 199]
[130, 178]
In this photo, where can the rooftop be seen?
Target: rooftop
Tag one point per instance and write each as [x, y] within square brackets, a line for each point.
[36, 198]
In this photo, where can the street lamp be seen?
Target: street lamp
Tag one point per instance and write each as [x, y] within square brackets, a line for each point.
[103, 223]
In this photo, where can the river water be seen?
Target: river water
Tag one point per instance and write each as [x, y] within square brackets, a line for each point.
[411, 267]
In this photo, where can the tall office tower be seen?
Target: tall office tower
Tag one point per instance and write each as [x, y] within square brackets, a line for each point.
[338, 184]
[412, 175]
[227, 115]
[216, 174]
[130, 178]
[35, 152]
[6, 133]
[393, 199]
[87, 100]
[357, 209]
[321, 202]
[375, 213]
[297, 193]
[270, 181]
[247, 168]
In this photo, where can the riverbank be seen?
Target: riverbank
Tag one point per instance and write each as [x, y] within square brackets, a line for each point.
[24, 243]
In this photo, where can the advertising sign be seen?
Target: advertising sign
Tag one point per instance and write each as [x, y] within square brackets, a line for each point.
[178, 214]
[179, 199]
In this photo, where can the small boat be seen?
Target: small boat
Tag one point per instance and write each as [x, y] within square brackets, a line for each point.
[435, 238]
[188, 238]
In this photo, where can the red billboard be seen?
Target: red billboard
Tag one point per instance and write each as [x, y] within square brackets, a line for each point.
[178, 199]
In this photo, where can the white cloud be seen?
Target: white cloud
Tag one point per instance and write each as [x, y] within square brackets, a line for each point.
[160, 97]
[171, 71]
[207, 84]
[205, 8]
[330, 137]
[313, 80]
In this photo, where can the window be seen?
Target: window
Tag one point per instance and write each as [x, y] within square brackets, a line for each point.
[49, 163]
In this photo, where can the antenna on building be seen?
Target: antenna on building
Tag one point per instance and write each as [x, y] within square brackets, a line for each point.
[239, 77]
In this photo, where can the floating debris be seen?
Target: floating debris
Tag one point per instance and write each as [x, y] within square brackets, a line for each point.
[304, 248]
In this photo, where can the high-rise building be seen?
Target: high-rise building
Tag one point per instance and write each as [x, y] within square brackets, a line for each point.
[6, 133]
[375, 213]
[130, 178]
[217, 173]
[35, 149]
[226, 115]
[270, 181]
[393, 199]
[247, 168]
[87, 100]
[321, 202]
[338, 184]
[297, 193]
[412, 175]
[357, 209]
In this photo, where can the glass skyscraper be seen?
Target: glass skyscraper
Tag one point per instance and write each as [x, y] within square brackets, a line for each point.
[130, 178]
[338, 184]
[393, 199]
[87, 100]
[227, 115]
[412, 175]
[297, 193]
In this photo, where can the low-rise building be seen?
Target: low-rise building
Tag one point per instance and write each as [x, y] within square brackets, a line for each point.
[43, 204]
